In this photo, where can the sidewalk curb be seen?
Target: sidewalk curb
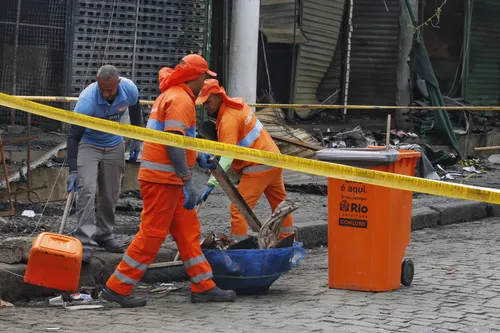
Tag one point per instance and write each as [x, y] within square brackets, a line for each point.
[95, 274]
[423, 217]
[12, 287]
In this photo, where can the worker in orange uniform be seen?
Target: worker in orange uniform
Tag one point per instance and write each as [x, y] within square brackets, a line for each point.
[236, 124]
[168, 192]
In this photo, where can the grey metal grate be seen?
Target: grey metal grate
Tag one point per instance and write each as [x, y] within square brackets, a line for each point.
[104, 33]
[32, 46]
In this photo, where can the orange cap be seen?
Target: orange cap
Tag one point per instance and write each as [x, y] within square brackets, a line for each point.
[163, 76]
[197, 62]
[189, 68]
[212, 87]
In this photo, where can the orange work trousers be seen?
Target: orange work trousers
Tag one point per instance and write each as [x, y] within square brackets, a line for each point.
[252, 186]
[163, 212]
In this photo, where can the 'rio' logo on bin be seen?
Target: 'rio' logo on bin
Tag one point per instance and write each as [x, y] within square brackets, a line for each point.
[352, 207]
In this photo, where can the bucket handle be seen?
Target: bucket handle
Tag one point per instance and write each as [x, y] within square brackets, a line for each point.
[298, 254]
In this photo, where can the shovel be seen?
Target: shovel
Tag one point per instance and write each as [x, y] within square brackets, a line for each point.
[67, 208]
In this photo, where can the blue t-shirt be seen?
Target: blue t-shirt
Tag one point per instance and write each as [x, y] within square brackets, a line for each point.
[91, 103]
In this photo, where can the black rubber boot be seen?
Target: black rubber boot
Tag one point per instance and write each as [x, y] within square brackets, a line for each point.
[125, 301]
[213, 295]
[110, 245]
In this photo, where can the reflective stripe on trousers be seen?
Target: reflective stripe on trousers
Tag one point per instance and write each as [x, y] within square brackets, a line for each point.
[125, 279]
[195, 261]
[163, 213]
[133, 264]
[239, 238]
[286, 230]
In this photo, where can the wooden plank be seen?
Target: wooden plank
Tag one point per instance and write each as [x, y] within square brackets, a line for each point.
[297, 143]
[235, 197]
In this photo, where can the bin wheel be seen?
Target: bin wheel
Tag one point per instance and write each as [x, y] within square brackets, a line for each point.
[407, 271]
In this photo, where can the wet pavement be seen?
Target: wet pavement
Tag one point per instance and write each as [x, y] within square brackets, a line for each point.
[455, 289]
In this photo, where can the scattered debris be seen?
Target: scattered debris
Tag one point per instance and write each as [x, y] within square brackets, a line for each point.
[83, 298]
[212, 241]
[270, 230]
[92, 291]
[424, 166]
[163, 288]
[59, 300]
[15, 250]
[355, 138]
[28, 213]
[403, 134]
[68, 300]
[5, 304]
[495, 159]
[36, 302]
[471, 169]
[268, 233]
[45, 159]
[15, 129]
[3, 223]
[440, 156]
[84, 307]
[274, 122]
[444, 175]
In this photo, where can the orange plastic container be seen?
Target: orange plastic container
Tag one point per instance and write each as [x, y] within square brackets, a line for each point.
[55, 262]
[368, 231]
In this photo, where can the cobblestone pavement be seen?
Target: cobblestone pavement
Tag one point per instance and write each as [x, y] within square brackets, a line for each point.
[455, 289]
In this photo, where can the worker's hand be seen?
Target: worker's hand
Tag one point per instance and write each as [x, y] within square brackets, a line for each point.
[190, 194]
[205, 161]
[135, 148]
[205, 194]
[73, 180]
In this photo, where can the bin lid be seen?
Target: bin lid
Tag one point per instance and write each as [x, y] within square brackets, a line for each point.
[359, 157]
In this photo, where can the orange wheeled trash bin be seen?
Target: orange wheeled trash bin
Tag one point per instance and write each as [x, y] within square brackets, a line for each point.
[369, 226]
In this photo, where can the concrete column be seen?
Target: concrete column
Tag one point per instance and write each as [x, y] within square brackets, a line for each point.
[243, 50]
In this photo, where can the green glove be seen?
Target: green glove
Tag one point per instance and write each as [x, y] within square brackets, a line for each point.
[225, 163]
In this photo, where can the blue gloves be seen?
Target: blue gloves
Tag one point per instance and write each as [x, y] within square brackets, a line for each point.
[190, 194]
[205, 194]
[204, 160]
[135, 148]
[73, 180]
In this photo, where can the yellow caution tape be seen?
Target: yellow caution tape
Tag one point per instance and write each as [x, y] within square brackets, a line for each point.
[274, 159]
[63, 99]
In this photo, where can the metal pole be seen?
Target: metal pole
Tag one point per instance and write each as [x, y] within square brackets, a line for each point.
[14, 74]
[345, 95]
[291, 112]
[135, 39]
[207, 36]
[28, 157]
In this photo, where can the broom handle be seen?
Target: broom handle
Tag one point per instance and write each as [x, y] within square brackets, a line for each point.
[67, 208]
[388, 132]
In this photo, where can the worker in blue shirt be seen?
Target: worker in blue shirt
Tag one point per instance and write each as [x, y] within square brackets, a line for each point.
[98, 158]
